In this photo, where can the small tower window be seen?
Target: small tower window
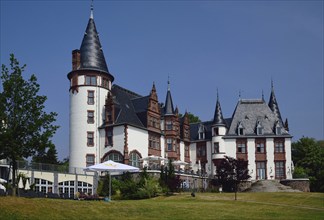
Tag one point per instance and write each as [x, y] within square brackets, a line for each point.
[91, 80]
[169, 144]
[90, 117]
[169, 125]
[216, 147]
[90, 139]
[90, 97]
[216, 131]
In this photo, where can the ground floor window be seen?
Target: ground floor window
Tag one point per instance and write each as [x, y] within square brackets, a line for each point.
[261, 170]
[44, 186]
[280, 169]
[114, 156]
[134, 159]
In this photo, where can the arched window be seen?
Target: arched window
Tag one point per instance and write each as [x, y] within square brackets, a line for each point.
[134, 159]
[114, 156]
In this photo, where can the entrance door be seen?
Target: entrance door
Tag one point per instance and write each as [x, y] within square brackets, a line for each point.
[261, 170]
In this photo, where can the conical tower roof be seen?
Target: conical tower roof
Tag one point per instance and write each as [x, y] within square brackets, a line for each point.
[168, 108]
[273, 105]
[91, 54]
[218, 115]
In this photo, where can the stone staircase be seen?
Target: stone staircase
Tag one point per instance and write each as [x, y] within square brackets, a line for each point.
[269, 186]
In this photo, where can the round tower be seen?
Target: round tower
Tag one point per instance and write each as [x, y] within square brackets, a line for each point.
[90, 82]
[218, 131]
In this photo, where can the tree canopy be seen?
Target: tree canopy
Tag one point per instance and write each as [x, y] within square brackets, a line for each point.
[232, 171]
[192, 118]
[26, 129]
[308, 157]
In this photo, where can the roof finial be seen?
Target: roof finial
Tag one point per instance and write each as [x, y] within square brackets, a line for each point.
[240, 95]
[168, 82]
[91, 10]
[271, 84]
[217, 93]
[262, 95]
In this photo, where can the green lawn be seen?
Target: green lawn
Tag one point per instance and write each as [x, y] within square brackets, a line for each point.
[181, 206]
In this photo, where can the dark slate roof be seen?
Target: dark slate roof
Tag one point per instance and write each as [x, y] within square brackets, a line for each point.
[194, 128]
[273, 105]
[91, 54]
[168, 107]
[248, 113]
[125, 112]
[140, 107]
[218, 115]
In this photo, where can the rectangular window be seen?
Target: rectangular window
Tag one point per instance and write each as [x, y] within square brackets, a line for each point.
[279, 146]
[169, 144]
[105, 83]
[216, 148]
[280, 169]
[90, 97]
[240, 131]
[259, 131]
[91, 80]
[216, 131]
[260, 147]
[169, 125]
[201, 151]
[90, 160]
[90, 138]
[261, 170]
[109, 137]
[241, 147]
[90, 117]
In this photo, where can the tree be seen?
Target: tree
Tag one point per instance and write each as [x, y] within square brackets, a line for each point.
[231, 172]
[48, 156]
[192, 118]
[168, 179]
[308, 157]
[26, 128]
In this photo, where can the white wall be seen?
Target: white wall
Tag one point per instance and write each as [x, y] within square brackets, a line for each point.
[138, 140]
[288, 158]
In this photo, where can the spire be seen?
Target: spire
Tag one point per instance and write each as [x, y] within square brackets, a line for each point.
[168, 108]
[92, 56]
[218, 115]
[91, 10]
[273, 105]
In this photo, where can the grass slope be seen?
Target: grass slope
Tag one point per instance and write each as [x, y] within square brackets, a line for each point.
[182, 206]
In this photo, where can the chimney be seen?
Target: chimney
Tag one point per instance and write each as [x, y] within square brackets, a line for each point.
[75, 59]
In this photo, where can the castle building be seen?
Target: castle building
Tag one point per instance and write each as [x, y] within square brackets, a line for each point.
[109, 122]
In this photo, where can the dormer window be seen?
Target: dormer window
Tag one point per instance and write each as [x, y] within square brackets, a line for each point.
[278, 128]
[259, 128]
[201, 132]
[240, 129]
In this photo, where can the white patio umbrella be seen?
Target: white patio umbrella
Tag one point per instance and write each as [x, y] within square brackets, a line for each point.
[111, 166]
[153, 158]
[2, 187]
[179, 163]
[27, 186]
[20, 183]
[3, 180]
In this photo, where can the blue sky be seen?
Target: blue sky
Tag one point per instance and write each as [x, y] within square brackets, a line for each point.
[203, 46]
